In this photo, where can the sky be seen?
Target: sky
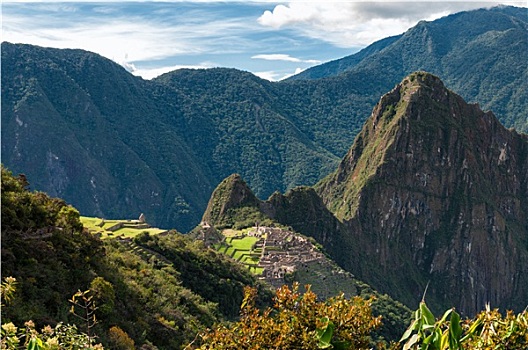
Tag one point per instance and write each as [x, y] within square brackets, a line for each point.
[271, 39]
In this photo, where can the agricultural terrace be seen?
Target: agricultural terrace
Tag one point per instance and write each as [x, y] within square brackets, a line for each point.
[240, 247]
[117, 228]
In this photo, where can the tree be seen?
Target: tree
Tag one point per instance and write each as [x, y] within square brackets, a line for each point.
[297, 321]
[104, 294]
[69, 219]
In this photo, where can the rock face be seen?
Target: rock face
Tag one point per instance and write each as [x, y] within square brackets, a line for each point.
[434, 190]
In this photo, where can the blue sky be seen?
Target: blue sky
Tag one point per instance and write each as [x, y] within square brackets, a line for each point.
[268, 38]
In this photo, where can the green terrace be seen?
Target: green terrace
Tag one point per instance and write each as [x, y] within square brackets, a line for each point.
[118, 228]
[240, 247]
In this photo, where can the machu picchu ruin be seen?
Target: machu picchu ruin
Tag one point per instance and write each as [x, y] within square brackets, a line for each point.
[280, 256]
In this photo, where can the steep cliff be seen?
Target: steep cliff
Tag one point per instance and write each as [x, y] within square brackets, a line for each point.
[434, 190]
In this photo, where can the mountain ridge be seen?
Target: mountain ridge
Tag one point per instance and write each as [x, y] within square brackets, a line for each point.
[464, 179]
[444, 52]
[116, 145]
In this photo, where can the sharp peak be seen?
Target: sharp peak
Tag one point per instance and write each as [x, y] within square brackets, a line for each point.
[416, 81]
[411, 89]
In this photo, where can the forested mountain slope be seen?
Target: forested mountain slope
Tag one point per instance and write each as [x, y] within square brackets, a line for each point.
[115, 145]
[158, 290]
[481, 54]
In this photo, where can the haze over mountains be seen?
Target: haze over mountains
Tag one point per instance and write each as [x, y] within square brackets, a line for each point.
[115, 145]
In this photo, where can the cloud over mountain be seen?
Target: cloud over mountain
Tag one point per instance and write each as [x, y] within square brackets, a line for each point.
[349, 24]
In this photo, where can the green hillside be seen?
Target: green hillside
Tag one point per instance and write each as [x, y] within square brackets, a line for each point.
[160, 290]
[481, 54]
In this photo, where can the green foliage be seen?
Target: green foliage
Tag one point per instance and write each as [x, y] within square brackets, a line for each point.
[58, 338]
[7, 290]
[61, 337]
[211, 274]
[160, 291]
[297, 321]
[488, 330]
[104, 294]
[44, 248]
[69, 219]
[24, 211]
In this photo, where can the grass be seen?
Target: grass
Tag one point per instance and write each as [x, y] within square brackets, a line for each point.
[239, 248]
[243, 243]
[93, 225]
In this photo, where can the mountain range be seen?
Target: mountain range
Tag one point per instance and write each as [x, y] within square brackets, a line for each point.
[115, 145]
[432, 198]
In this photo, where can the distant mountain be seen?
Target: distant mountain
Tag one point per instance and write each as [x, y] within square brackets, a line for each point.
[433, 191]
[115, 145]
[482, 54]
[87, 130]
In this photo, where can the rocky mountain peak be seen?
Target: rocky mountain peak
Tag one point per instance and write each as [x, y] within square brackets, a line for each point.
[433, 191]
[436, 187]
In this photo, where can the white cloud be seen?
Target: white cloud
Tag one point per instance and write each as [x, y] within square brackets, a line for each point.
[283, 57]
[268, 75]
[359, 23]
[152, 38]
[276, 76]
[109, 30]
[151, 73]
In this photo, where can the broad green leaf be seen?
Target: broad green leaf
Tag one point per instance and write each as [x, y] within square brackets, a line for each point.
[324, 334]
[35, 344]
[444, 317]
[455, 331]
[427, 315]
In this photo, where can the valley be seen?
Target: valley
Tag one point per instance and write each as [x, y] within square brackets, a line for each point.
[394, 179]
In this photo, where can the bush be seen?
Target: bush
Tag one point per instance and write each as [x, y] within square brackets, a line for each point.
[119, 339]
[297, 322]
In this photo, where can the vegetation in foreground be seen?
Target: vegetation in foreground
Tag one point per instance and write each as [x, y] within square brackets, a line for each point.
[151, 287]
[70, 290]
[300, 321]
